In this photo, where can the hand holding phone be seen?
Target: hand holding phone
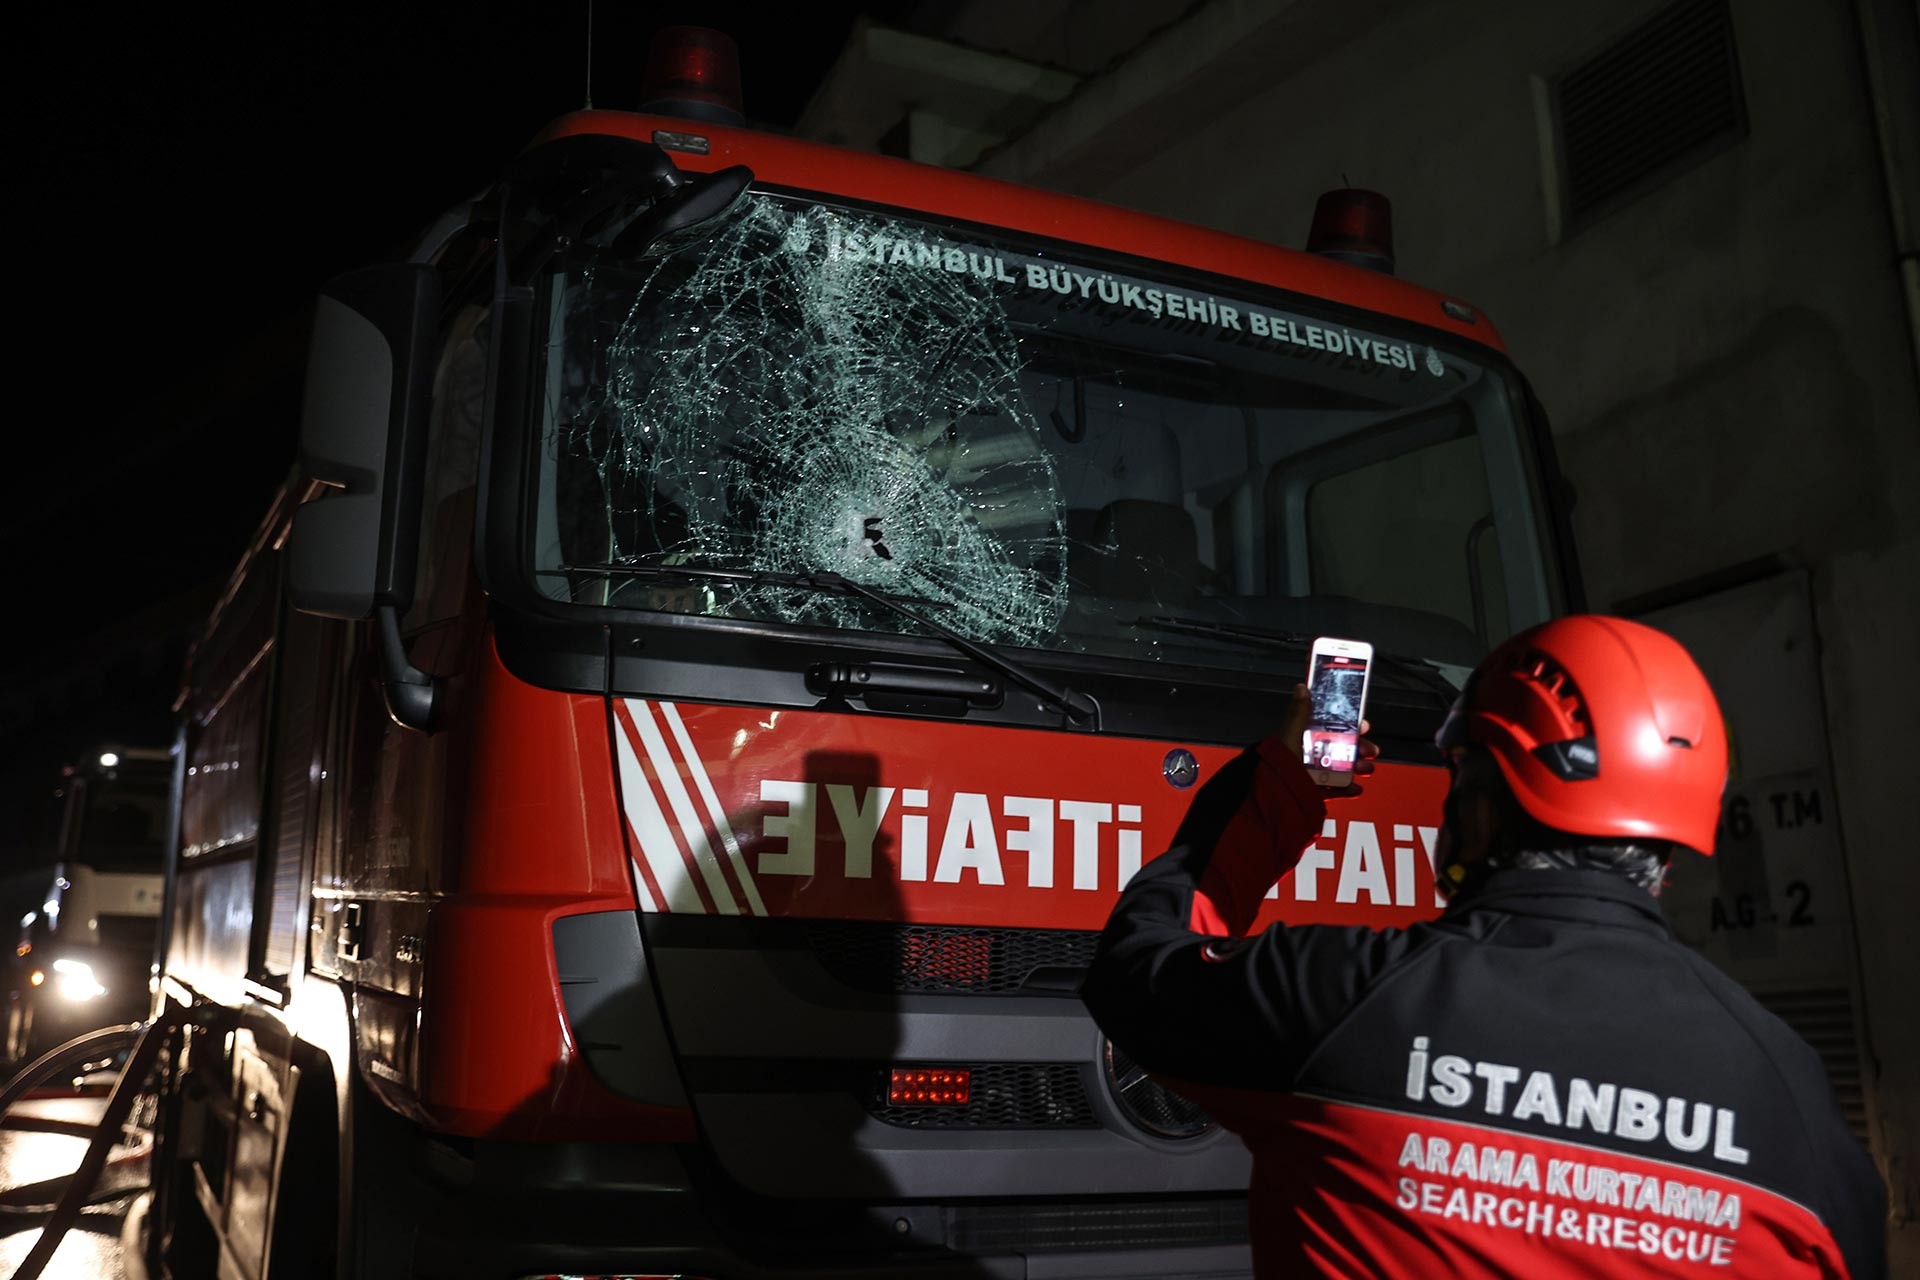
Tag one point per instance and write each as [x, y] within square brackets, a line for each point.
[1337, 678]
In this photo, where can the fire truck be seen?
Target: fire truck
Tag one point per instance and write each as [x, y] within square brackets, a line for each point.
[84, 953]
[741, 612]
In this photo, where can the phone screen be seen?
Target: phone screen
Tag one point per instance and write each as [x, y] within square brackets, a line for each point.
[1333, 734]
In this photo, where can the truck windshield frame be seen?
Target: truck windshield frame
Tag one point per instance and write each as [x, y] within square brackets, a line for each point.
[1057, 340]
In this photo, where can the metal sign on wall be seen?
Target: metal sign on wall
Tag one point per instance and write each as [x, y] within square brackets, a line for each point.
[1772, 906]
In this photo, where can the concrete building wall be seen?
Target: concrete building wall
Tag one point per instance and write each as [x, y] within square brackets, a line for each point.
[1726, 358]
[1080, 36]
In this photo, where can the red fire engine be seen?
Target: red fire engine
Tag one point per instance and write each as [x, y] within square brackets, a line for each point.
[742, 610]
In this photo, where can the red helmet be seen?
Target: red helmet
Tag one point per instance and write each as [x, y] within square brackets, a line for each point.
[1603, 727]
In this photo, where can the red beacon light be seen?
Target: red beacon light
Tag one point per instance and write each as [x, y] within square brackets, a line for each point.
[1354, 226]
[694, 72]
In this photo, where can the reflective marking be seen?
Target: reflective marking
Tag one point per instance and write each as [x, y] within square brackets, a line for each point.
[690, 825]
[650, 828]
[642, 888]
[704, 785]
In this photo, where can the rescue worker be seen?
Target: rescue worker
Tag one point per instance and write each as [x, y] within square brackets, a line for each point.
[1543, 1081]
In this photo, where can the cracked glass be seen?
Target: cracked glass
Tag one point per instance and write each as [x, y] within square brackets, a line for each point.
[1032, 445]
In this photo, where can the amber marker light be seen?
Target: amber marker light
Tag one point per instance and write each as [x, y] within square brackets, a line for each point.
[929, 1086]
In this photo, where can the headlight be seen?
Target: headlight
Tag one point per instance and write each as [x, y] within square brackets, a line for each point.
[74, 979]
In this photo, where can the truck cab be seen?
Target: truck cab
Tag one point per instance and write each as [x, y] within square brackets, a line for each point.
[85, 954]
[743, 611]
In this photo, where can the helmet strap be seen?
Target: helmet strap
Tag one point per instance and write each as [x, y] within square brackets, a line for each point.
[1452, 873]
[1459, 872]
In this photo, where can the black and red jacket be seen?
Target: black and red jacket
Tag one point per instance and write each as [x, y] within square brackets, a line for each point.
[1541, 1082]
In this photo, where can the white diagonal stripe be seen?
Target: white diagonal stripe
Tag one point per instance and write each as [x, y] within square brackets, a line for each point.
[640, 889]
[697, 767]
[690, 824]
[650, 828]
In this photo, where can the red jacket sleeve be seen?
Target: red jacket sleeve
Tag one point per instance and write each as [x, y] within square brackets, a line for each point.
[1260, 842]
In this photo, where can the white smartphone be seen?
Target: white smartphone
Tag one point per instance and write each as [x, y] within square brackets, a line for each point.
[1337, 685]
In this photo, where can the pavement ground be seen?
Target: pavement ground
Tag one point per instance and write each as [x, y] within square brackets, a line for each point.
[91, 1251]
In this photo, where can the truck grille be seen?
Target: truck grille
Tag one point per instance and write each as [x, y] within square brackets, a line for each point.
[1150, 1104]
[949, 959]
[1004, 1095]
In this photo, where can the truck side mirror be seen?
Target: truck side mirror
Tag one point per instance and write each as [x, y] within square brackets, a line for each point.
[363, 432]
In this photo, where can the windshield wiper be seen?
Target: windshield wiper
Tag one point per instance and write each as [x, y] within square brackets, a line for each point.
[1225, 630]
[1080, 708]
[737, 577]
[1418, 670]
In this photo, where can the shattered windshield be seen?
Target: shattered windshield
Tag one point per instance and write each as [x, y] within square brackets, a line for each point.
[1033, 446]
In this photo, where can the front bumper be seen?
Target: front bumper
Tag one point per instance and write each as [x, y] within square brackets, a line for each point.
[519, 1210]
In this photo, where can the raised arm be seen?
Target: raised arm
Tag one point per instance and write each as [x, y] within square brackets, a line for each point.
[1176, 984]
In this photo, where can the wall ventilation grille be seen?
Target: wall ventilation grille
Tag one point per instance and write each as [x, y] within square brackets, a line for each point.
[1658, 99]
[1823, 1017]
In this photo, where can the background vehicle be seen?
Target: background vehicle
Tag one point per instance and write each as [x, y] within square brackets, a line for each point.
[648, 790]
[85, 955]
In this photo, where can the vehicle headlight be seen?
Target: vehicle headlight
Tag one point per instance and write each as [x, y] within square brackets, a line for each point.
[74, 980]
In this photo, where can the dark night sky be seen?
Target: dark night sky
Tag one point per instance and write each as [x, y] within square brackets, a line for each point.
[187, 181]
